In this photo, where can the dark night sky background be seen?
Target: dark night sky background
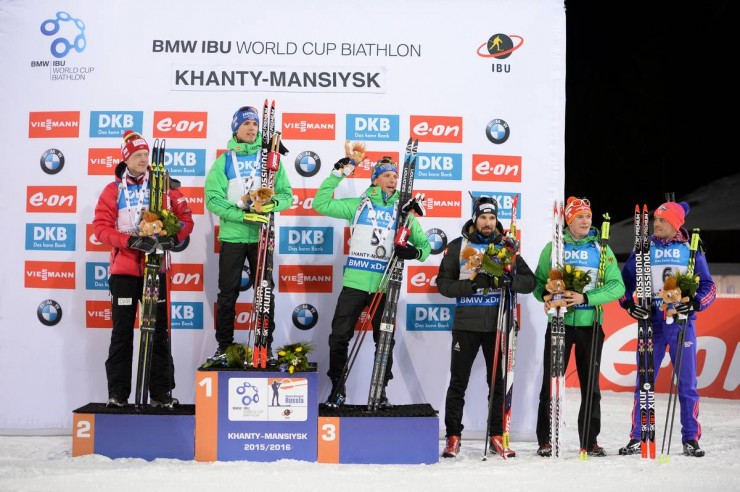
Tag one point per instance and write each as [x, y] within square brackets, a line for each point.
[646, 85]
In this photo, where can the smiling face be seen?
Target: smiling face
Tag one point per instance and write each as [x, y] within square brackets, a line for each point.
[138, 162]
[580, 225]
[387, 182]
[247, 131]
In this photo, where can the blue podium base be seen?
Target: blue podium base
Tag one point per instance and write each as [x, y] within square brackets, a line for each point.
[402, 434]
[128, 433]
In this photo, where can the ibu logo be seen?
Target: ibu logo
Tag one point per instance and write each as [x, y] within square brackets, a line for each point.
[107, 124]
[429, 317]
[187, 315]
[307, 240]
[96, 276]
[439, 166]
[54, 237]
[185, 162]
[383, 127]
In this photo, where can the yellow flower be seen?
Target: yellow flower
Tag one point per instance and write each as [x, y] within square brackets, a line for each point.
[567, 268]
[291, 369]
[281, 353]
[299, 349]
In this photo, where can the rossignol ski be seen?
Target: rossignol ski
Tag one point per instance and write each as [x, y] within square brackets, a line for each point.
[557, 339]
[510, 337]
[598, 310]
[406, 204]
[158, 184]
[645, 349]
[263, 315]
[673, 391]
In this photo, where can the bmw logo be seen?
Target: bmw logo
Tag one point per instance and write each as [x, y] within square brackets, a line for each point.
[52, 161]
[246, 281]
[305, 316]
[438, 240]
[307, 163]
[497, 131]
[49, 312]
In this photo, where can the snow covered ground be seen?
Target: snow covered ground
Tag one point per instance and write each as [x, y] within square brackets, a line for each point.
[44, 463]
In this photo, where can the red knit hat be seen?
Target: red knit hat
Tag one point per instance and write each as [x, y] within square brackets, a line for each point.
[575, 207]
[132, 142]
[673, 213]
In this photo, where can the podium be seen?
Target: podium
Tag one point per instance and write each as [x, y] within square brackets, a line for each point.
[255, 415]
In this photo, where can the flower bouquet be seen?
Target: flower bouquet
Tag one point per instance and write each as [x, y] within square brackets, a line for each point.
[293, 357]
[575, 278]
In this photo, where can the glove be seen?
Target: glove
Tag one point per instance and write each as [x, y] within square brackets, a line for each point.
[255, 218]
[407, 252]
[637, 312]
[482, 281]
[147, 244]
[687, 307]
[339, 169]
[504, 280]
[166, 243]
[266, 207]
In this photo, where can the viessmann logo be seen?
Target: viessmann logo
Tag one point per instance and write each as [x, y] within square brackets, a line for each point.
[365, 169]
[102, 162]
[98, 314]
[187, 277]
[195, 196]
[502, 168]
[305, 278]
[309, 126]
[442, 203]
[51, 199]
[54, 124]
[422, 279]
[180, 124]
[447, 129]
[49, 274]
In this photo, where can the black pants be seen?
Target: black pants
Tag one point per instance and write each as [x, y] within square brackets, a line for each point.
[125, 295]
[464, 349]
[582, 338]
[350, 304]
[230, 264]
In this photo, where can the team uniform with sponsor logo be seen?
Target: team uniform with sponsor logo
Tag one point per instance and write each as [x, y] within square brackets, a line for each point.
[117, 216]
[581, 250]
[232, 175]
[476, 317]
[372, 219]
[669, 255]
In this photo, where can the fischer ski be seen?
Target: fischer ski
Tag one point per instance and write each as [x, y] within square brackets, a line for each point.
[509, 339]
[557, 340]
[406, 204]
[263, 287]
[645, 349]
[158, 184]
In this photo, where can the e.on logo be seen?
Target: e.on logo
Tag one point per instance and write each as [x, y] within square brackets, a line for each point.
[91, 242]
[442, 203]
[98, 314]
[180, 124]
[447, 129]
[54, 124]
[422, 279]
[305, 278]
[102, 162]
[195, 197]
[53, 199]
[49, 274]
[302, 203]
[501, 168]
[187, 277]
[309, 126]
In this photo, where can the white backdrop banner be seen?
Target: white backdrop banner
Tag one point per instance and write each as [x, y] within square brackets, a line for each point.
[480, 84]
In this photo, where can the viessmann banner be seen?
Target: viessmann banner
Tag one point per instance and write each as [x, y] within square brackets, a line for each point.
[486, 104]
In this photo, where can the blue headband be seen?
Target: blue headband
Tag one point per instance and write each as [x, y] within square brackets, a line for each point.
[243, 114]
[382, 168]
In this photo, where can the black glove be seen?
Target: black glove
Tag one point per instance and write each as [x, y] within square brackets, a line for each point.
[147, 244]
[688, 307]
[407, 252]
[504, 280]
[637, 312]
[482, 281]
[341, 163]
[166, 243]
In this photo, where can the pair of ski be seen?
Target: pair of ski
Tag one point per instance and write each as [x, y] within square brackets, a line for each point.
[390, 286]
[557, 338]
[507, 329]
[262, 316]
[158, 187]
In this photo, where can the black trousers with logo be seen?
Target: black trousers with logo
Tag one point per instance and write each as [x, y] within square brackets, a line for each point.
[125, 293]
[231, 260]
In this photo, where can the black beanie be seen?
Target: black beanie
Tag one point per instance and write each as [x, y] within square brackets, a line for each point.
[484, 205]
